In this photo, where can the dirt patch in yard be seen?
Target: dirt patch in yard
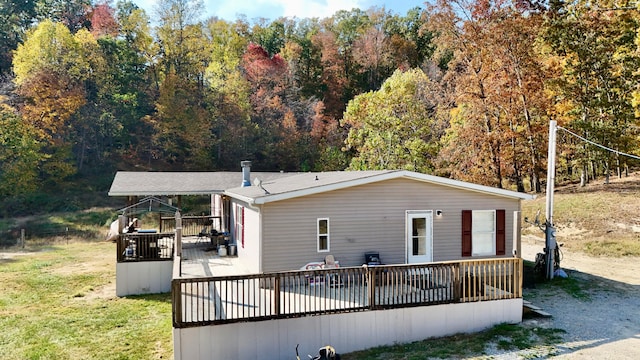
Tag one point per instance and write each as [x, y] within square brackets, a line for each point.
[625, 270]
[597, 306]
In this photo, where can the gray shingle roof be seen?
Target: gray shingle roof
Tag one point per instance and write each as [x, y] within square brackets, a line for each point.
[141, 183]
[312, 183]
[302, 182]
[274, 186]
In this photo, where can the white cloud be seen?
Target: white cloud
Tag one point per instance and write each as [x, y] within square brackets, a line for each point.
[316, 8]
[272, 9]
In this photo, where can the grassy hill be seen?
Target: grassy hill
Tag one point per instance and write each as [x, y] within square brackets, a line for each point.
[598, 219]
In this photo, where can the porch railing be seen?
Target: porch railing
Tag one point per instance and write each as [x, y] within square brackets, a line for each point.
[145, 247]
[218, 300]
[191, 225]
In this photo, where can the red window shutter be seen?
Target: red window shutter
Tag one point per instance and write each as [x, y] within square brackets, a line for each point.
[243, 227]
[500, 232]
[466, 232]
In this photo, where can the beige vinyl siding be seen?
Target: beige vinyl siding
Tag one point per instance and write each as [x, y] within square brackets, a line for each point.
[371, 218]
[249, 256]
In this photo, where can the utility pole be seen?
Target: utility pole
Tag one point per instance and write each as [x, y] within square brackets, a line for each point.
[550, 231]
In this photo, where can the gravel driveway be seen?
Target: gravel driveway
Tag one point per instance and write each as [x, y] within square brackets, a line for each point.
[603, 322]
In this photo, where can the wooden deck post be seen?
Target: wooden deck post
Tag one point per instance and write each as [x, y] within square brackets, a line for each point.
[176, 296]
[371, 287]
[178, 236]
[276, 295]
[457, 286]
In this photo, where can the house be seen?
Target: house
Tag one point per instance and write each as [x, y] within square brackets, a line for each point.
[406, 217]
[279, 222]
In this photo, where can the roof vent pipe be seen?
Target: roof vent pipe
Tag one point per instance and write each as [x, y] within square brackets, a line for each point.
[246, 173]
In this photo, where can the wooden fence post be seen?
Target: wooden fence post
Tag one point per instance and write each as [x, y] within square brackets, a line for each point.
[22, 237]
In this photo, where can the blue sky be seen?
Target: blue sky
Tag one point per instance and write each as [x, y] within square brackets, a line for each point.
[272, 9]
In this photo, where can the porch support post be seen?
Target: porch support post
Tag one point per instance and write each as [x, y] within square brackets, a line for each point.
[517, 235]
[178, 234]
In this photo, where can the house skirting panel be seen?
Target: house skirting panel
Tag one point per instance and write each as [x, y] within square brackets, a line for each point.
[348, 332]
[143, 277]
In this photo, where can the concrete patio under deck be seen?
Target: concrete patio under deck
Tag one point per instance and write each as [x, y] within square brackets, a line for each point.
[200, 259]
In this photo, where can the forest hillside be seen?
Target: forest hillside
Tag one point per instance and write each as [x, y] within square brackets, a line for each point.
[463, 89]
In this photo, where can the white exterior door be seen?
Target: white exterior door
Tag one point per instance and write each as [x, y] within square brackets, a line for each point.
[419, 230]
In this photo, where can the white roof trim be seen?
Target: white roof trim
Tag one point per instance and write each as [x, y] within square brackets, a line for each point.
[163, 193]
[381, 177]
[470, 186]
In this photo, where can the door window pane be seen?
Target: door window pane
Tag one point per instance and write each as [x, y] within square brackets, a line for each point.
[419, 236]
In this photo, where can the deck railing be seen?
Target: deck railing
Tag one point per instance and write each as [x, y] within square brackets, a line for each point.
[145, 247]
[191, 225]
[218, 300]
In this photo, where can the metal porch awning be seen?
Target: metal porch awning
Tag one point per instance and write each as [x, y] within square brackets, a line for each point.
[149, 204]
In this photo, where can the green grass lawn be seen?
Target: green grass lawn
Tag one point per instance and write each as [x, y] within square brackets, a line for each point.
[59, 302]
[505, 337]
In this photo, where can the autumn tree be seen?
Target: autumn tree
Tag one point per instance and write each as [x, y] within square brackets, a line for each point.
[395, 127]
[597, 74]
[229, 92]
[409, 40]
[124, 88]
[15, 19]
[268, 79]
[19, 155]
[372, 51]
[51, 67]
[182, 121]
[271, 36]
[103, 21]
[282, 118]
[74, 14]
[348, 27]
[494, 81]
[304, 58]
[333, 78]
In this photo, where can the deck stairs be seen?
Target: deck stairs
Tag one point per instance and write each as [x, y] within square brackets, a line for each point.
[530, 310]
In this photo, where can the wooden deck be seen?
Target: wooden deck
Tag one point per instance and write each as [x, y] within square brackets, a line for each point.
[212, 290]
[200, 259]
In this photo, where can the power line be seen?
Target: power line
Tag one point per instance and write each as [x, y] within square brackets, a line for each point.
[600, 146]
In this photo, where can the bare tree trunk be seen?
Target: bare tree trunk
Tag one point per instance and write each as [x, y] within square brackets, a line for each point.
[535, 182]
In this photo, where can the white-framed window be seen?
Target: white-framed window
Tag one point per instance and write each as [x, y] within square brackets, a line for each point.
[239, 228]
[323, 235]
[483, 232]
